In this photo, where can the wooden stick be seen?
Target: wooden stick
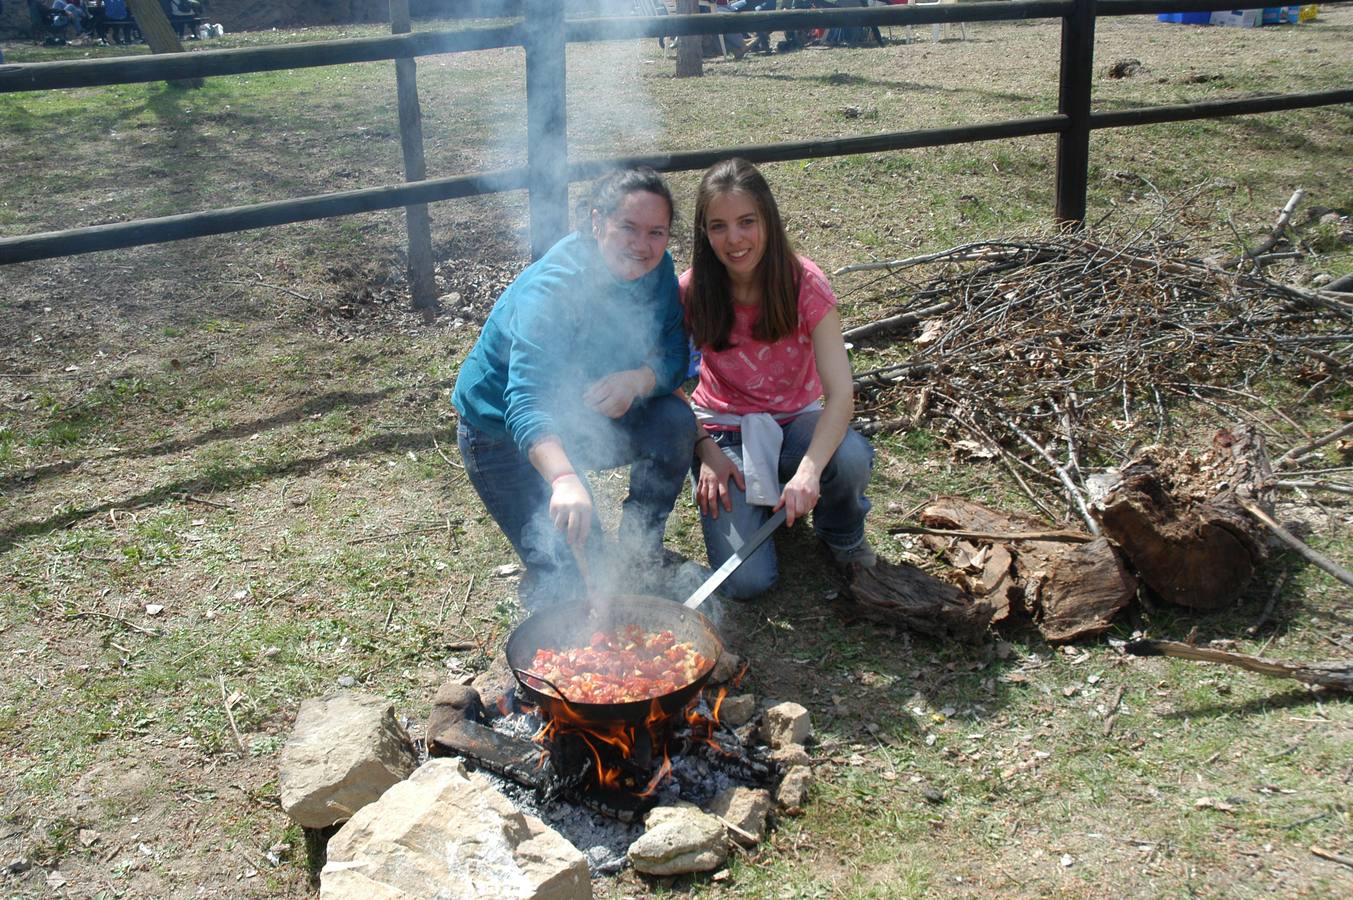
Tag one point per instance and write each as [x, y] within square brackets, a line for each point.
[1291, 540]
[1292, 455]
[79, 613]
[1312, 486]
[1269, 606]
[740, 832]
[955, 253]
[1276, 235]
[1071, 537]
[1073, 493]
[230, 717]
[1337, 674]
[1331, 856]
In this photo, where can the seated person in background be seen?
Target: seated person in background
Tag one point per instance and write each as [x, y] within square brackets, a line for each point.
[116, 21]
[61, 22]
[764, 320]
[762, 43]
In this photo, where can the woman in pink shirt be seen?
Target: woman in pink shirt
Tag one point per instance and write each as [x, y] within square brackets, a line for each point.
[775, 397]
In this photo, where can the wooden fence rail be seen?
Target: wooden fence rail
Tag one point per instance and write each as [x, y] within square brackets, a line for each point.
[544, 33]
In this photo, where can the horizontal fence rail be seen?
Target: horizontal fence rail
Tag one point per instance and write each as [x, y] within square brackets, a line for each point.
[288, 212]
[1072, 123]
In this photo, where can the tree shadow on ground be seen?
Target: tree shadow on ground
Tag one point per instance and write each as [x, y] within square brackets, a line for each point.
[222, 479]
[860, 681]
[313, 407]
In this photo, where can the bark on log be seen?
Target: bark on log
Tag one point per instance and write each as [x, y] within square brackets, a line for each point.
[1087, 587]
[1176, 518]
[1073, 590]
[1337, 674]
[904, 595]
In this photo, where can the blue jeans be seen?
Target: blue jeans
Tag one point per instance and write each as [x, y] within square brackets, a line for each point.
[654, 438]
[838, 518]
[738, 6]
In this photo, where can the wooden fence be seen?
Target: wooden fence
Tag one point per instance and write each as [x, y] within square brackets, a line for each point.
[544, 32]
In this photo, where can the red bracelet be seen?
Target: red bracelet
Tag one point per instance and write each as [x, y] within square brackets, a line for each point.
[555, 479]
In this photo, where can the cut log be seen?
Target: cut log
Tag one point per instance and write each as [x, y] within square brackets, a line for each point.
[1087, 586]
[1073, 590]
[1176, 519]
[990, 561]
[904, 595]
[1337, 674]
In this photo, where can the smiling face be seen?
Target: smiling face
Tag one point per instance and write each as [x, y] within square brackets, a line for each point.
[632, 238]
[736, 231]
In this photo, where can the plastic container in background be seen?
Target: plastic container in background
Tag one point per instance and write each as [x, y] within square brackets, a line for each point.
[1308, 13]
[1186, 18]
[1236, 18]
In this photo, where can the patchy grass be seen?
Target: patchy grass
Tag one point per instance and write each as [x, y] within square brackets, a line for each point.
[253, 433]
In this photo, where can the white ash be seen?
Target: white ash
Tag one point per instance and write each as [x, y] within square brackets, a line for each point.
[602, 840]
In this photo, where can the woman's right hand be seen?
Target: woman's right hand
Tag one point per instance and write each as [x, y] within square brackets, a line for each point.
[571, 508]
[711, 491]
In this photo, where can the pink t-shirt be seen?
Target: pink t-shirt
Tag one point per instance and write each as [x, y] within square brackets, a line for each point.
[754, 376]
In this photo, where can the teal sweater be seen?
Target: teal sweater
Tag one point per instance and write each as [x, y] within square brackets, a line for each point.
[565, 322]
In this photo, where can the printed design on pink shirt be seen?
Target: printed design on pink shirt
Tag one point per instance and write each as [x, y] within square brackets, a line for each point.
[753, 376]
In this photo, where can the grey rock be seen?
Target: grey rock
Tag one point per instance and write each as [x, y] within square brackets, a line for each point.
[745, 808]
[679, 840]
[737, 711]
[449, 834]
[784, 724]
[791, 755]
[793, 790]
[726, 668]
[454, 702]
[344, 752]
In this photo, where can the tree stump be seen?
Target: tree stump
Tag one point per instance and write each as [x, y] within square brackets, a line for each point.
[1176, 518]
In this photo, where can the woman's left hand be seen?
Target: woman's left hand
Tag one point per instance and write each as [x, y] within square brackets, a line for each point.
[613, 395]
[799, 496]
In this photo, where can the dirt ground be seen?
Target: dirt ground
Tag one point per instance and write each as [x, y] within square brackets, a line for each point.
[253, 433]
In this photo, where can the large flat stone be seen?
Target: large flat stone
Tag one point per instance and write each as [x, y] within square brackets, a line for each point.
[343, 753]
[449, 834]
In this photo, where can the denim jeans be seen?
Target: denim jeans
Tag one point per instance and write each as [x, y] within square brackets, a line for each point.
[738, 6]
[838, 518]
[654, 438]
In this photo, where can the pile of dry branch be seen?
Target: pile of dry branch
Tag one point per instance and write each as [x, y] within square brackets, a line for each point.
[1061, 354]
[1063, 358]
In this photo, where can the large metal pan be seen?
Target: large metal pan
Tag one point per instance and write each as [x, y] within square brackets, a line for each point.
[572, 625]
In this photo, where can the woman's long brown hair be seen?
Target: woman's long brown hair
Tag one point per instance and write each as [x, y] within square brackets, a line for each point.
[709, 296]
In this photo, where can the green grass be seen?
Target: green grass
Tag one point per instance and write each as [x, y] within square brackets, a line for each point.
[240, 455]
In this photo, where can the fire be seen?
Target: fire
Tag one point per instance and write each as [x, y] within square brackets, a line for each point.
[622, 737]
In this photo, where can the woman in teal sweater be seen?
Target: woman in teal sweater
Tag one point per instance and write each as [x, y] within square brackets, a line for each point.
[575, 371]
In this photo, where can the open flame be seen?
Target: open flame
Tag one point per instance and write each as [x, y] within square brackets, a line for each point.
[612, 741]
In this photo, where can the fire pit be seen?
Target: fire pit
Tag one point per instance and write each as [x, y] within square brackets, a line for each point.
[594, 780]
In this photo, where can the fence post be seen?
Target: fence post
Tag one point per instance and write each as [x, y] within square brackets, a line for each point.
[159, 34]
[546, 140]
[1073, 101]
[422, 287]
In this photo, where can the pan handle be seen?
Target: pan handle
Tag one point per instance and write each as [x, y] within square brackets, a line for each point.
[518, 673]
